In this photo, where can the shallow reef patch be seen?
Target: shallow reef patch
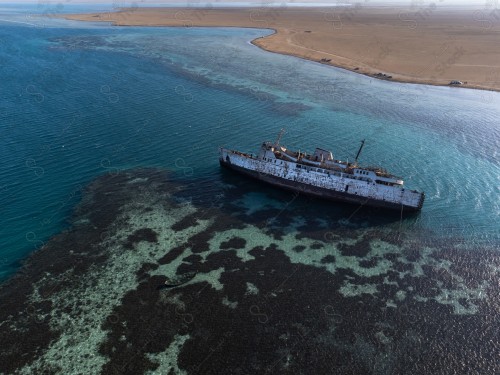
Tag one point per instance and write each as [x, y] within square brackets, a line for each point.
[145, 282]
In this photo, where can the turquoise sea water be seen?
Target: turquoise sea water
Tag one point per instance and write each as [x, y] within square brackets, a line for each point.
[290, 284]
[80, 99]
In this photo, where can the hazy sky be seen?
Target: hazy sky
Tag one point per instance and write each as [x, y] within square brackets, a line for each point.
[485, 3]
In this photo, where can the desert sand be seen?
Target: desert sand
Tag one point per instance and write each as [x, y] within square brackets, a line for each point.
[430, 45]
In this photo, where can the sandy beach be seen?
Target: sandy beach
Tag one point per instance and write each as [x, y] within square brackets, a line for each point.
[430, 45]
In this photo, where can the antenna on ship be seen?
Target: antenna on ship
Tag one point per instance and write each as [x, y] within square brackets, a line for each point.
[277, 143]
[359, 151]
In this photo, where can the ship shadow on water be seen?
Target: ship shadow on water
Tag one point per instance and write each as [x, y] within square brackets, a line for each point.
[292, 203]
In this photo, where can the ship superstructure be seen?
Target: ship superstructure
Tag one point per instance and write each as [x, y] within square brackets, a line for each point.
[319, 174]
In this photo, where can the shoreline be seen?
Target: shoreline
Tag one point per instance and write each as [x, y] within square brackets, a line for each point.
[359, 71]
[366, 39]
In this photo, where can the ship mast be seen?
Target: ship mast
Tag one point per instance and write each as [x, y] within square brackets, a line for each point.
[359, 151]
[280, 135]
